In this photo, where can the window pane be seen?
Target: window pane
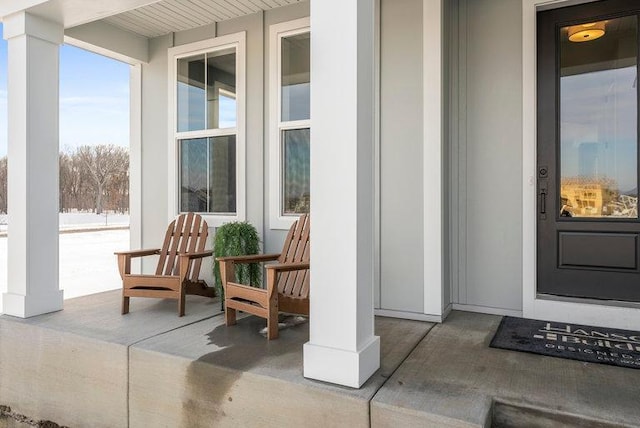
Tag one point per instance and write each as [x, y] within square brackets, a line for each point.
[598, 119]
[208, 175]
[191, 93]
[222, 174]
[296, 178]
[296, 77]
[194, 175]
[221, 89]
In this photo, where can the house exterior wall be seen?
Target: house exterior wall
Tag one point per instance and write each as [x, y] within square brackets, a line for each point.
[482, 157]
[401, 127]
[401, 140]
[486, 157]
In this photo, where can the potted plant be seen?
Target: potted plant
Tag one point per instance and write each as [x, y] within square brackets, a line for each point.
[237, 239]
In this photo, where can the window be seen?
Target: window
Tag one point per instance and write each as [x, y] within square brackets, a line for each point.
[290, 124]
[207, 128]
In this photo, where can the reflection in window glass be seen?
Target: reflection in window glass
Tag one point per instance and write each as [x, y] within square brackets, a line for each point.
[194, 182]
[296, 77]
[191, 93]
[206, 91]
[227, 102]
[296, 182]
[221, 89]
[208, 175]
[222, 176]
[598, 120]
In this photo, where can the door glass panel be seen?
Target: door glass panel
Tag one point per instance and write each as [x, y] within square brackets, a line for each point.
[598, 119]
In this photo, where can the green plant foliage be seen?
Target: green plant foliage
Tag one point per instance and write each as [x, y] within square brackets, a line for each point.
[237, 239]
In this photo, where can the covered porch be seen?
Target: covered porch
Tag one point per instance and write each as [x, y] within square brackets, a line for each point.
[152, 37]
[422, 172]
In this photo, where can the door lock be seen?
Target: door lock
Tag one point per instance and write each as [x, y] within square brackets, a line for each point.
[543, 171]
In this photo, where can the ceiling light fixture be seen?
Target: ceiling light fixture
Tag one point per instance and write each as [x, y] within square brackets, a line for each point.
[586, 32]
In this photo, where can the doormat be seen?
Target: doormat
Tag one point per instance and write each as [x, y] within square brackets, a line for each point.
[575, 342]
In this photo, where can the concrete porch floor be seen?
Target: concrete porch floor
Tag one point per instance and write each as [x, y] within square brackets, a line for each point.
[90, 366]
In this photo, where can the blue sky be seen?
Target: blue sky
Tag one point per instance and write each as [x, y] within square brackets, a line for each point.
[94, 99]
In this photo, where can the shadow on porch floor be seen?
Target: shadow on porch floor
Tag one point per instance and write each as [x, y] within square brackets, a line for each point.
[90, 366]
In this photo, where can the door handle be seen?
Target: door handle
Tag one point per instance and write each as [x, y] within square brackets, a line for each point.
[542, 186]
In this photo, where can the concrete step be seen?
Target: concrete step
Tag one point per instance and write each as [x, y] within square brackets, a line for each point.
[454, 379]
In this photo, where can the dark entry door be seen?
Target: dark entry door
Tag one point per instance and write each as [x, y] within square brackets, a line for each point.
[588, 225]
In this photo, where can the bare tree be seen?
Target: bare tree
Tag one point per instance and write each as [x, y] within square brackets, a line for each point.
[102, 163]
[118, 189]
[65, 179]
[91, 178]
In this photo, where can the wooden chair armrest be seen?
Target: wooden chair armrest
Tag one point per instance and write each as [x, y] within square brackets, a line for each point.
[124, 259]
[253, 258]
[138, 253]
[197, 254]
[286, 267]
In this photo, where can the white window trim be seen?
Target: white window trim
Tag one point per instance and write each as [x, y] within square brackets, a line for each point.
[277, 32]
[237, 41]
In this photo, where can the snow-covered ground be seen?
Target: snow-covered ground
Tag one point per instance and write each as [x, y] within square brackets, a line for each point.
[90, 219]
[78, 220]
[87, 263]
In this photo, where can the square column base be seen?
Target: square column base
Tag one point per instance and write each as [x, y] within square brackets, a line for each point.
[18, 305]
[340, 366]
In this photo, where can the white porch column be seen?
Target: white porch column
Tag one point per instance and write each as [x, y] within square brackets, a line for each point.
[33, 165]
[342, 348]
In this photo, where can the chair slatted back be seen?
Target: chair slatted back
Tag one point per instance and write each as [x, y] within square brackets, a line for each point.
[186, 234]
[296, 249]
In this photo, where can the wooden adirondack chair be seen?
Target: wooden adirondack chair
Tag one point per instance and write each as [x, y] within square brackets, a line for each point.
[178, 267]
[287, 287]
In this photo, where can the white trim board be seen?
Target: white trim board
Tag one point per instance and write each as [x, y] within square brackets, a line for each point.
[487, 310]
[135, 162]
[432, 156]
[412, 315]
[532, 306]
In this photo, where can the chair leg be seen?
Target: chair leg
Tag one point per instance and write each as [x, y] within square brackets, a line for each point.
[229, 315]
[272, 323]
[272, 305]
[125, 304]
[181, 299]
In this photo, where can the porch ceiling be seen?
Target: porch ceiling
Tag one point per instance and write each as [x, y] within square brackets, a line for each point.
[169, 16]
